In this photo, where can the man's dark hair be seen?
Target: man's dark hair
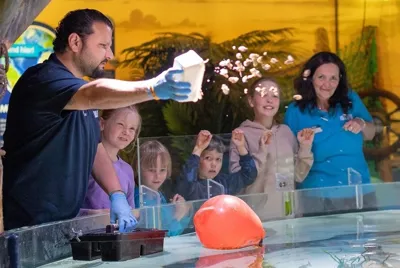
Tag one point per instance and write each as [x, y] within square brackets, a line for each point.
[80, 22]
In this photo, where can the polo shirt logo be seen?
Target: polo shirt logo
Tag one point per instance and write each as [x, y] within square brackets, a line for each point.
[346, 117]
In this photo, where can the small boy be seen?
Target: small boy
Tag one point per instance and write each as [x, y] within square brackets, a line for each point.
[205, 163]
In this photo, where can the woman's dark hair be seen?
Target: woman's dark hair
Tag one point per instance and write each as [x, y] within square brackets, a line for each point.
[304, 87]
[80, 22]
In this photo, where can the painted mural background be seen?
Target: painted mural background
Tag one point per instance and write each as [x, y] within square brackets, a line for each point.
[365, 33]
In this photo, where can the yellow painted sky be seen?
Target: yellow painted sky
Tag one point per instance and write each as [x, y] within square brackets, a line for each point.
[138, 21]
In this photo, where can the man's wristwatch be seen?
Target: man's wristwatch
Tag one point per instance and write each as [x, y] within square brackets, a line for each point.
[151, 92]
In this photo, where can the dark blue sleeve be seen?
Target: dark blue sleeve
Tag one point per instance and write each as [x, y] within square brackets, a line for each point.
[236, 181]
[191, 168]
[188, 184]
[53, 87]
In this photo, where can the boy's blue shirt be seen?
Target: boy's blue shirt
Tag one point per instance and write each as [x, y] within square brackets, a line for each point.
[193, 188]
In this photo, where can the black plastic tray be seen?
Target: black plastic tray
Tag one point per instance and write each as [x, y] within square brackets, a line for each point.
[110, 245]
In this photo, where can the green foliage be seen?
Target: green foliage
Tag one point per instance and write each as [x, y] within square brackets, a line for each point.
[182, 147]
[153, 123]
[158, 54]
[182, 118]
[360, 58]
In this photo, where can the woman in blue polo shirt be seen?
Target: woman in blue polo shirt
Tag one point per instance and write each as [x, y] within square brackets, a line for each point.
[341, 122]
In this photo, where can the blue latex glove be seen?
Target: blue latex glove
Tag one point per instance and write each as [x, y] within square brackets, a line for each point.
[121, 210]
[167, 88]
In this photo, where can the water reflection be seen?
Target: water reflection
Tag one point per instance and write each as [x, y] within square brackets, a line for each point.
[246, 258]
[372, 256]
[371, 250]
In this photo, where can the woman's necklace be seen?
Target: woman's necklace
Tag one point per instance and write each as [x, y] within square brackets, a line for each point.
[322, 109]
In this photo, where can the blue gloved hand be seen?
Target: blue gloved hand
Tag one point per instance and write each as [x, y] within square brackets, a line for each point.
[165, 87]
[121, 211]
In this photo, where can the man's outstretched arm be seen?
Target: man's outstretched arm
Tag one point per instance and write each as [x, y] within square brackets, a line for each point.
[112, 94]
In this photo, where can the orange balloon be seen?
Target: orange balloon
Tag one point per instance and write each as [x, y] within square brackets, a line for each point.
[227, 222]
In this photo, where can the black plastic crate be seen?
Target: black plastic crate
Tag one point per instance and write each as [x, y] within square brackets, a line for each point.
[112, 245]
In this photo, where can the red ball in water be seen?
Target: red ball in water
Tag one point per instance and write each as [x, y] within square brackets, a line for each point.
[227, 222]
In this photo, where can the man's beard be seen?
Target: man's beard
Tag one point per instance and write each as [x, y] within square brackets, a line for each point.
[88, 70]
[98, 72]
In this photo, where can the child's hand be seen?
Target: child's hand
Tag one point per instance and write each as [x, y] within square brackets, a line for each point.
[266, 139]
[203, 140]
[239, 141]
[181, 208]
[306, 136]
[177, 198]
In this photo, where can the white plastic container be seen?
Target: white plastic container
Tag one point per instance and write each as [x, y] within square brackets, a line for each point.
[193, 67]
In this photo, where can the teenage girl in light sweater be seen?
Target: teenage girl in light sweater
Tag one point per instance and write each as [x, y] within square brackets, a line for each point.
[286, 159]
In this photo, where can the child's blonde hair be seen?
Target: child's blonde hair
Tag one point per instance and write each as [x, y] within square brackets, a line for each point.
[107, 114]
[148, 153]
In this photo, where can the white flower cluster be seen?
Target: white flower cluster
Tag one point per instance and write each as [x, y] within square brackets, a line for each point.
[263, 90]
[239, 67]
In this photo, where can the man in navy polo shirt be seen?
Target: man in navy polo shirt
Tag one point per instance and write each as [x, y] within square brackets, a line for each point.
[52, 136]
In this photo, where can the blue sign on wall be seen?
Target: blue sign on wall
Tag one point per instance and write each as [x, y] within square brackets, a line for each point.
[32, 47]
